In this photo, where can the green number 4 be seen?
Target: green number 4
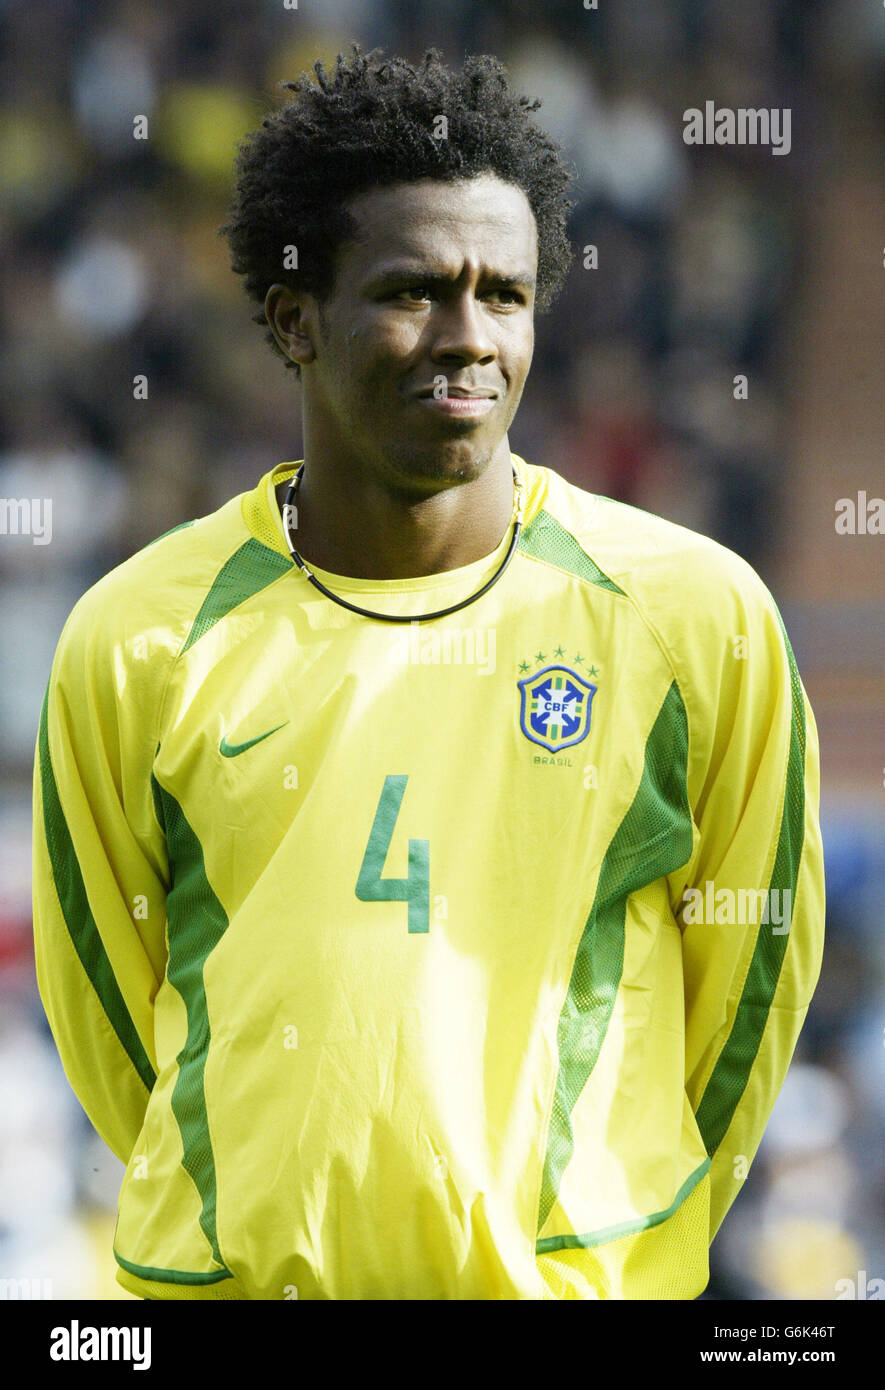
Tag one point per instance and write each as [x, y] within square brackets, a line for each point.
[414, 890]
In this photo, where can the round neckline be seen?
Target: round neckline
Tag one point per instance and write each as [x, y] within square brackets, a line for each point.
[472, 573]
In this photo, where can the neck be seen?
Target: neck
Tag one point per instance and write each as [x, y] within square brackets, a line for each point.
[358, 526]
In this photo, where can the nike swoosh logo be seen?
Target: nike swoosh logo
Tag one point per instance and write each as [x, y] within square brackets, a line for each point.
[232, 750]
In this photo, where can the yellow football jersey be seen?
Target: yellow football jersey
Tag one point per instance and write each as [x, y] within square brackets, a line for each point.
[449, 960]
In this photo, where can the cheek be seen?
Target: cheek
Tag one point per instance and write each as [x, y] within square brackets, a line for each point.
[528, 349]
[518, 355]
[393, 332]
[379, 354]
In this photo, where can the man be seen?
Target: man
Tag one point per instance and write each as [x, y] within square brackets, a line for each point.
[402, 955]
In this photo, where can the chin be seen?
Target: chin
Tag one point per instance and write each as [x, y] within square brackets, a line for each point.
[458, 460]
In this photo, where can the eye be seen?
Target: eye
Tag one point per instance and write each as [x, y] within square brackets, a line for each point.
[510, 296]
[414, 292]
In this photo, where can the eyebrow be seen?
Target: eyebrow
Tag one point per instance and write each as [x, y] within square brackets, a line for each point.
[413, 273]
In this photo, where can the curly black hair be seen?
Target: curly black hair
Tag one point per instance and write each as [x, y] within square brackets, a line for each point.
[374, 121]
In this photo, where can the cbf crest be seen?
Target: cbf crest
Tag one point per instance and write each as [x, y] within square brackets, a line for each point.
[555, 707]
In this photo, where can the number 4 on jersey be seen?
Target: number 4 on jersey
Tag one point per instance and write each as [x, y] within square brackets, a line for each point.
[414, 890]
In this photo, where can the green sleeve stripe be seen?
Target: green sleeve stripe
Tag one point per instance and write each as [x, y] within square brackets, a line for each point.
[78, 916]
[196, 922]
[251, 568]
[546, 539]
[653, 840]
[731, 1074]
[626, 1228]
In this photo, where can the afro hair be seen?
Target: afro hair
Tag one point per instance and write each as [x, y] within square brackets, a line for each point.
[370, 123]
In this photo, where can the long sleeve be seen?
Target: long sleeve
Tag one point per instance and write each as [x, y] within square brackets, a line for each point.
[752, 913]
[99, 869]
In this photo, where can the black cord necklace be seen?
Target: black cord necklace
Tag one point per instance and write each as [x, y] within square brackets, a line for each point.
[289, 509]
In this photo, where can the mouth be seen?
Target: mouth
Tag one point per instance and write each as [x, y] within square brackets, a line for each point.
[458, 402]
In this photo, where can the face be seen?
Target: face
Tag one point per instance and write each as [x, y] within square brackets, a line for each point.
[415, 365]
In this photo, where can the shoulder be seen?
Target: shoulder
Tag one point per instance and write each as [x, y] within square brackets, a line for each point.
[673, 575]
[143, 609]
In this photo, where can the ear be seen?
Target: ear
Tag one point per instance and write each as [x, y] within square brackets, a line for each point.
[291, 319]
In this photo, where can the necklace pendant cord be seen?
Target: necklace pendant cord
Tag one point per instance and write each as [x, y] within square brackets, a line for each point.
[289, 509]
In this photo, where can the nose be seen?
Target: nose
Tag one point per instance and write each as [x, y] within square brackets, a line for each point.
[462, 333]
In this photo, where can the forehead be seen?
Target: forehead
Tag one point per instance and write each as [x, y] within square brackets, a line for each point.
[482, 218]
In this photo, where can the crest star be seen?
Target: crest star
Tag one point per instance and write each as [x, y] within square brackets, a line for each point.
[579, 658]
[560, 651]
[592, 671]
[539, 656]
[523, 666]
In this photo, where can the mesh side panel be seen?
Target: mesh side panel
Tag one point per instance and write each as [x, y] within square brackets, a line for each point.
[196, 923]
[547, 539]
[653, 839]
[249, 569]
[669, 1261]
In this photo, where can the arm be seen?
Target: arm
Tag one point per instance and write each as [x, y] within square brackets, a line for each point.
[748, 981]
[100, 873]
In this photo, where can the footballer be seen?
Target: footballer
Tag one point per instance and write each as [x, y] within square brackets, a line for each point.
[389, 972]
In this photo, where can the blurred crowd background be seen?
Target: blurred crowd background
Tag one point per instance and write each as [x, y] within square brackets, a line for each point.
[713, 262]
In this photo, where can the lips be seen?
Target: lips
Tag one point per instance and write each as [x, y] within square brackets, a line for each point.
[458, 407]
[459, 393]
